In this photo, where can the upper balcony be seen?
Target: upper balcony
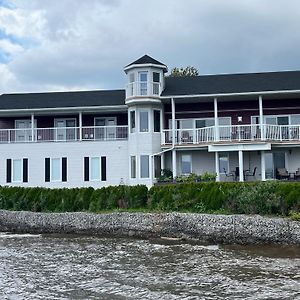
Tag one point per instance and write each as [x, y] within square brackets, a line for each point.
[64, 134]
[143, 89]
[232, 134]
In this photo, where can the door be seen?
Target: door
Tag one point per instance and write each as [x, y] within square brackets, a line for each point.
[284, 122]
[24, 131]
[105, 128]
[273, 161]
[65, 129]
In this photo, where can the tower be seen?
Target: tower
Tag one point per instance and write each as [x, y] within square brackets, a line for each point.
[145, 78]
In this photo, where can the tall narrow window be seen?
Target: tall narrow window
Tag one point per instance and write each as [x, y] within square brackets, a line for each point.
[133, 166]
[55, 169]
[143, 78]
[103, 168]
[156, 116]
[157, 166]
[17, 170]
[95, 168]
[131, 84]
[144, 121]
[132, 121]
[186, 164]
[156, 81]
[144, 166]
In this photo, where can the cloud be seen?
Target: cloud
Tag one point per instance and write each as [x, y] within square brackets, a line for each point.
[73, 44]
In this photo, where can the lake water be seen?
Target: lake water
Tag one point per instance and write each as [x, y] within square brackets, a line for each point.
[76, 267]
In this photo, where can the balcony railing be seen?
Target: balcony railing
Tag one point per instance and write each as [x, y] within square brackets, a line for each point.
[64, 134]
[232, 133]
[143, 89]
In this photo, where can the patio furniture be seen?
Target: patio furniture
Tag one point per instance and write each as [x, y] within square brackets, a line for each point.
[249, 174]
[282, 173]
[297, 174]
[230, 174]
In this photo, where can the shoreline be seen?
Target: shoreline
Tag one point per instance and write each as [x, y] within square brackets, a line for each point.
[222, 229]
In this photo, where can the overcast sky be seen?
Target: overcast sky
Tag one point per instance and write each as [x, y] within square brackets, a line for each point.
[77, 45]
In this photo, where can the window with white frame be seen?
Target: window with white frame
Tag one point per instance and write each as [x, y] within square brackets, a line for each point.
[55, 169]
[95, 168]
[156, 82]
[133, 166]
[132, 121]
[144, 121]
[223, 163]
[143, 79]
[131, 84]
[186, 164]
[156, 120]
[144, 161]
[17, 170]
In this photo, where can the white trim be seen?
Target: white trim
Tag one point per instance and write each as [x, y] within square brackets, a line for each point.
[145, 66]
[231, 94]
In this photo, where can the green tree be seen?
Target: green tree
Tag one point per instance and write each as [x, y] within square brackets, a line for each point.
[182, 72]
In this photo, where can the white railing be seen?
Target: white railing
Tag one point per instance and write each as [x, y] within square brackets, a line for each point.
[64, 134]
[232, 133]
[143, 89]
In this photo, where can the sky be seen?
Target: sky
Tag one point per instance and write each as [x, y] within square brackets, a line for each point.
[62, 45]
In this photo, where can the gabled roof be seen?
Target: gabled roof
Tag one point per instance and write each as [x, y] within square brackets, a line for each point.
[62, 99]
[232, 83]
[146, 59]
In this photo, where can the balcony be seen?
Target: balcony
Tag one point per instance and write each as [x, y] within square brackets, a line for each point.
[232, 133]
[64, 134]
[143, 89]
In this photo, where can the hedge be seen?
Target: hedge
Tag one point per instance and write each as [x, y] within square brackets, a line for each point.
[265, 198]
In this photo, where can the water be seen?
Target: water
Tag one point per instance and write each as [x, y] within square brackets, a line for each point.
[74, 267]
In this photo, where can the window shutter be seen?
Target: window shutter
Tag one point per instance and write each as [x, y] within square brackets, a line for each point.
[103, 168]
[47, 169]
[86, 169]
[8, 170]
[25, 169]
[64, 169]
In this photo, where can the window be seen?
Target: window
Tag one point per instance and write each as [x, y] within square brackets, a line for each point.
[17, 170]
[94, 168]
[24, 130]
[144, 127]
[132, 121]
[156, 116]
[55, 169]
[223, 163]
[143, 78]
[132, 166]
[156, 81]
[157, 166]
[186, 164]
[65, 129]
[144, 166]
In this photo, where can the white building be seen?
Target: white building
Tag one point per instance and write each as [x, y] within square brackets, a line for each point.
[239, 126]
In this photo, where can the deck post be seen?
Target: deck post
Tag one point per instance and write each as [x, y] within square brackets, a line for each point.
[162, 161]
[217, 166]
[32, 127]
[261, 117]
[173, 121]
[241, 166]
[174, 164]
[217, 137]
[263, 165]
[80, 126]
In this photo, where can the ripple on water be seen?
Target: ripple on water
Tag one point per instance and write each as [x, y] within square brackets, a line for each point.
[72, 267]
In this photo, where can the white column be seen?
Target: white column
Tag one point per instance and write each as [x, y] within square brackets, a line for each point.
[216, 119]
[241, 166]
[217, 166]
[80, 126]
[174, 165]
[261, 118]
[263, 165]
[173, 121]
[32, 127]
[162, 161]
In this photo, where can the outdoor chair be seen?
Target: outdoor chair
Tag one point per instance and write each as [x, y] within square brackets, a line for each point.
[282, 173]
[297, 174]
[185, 137]
[230, 174]
[249, 174]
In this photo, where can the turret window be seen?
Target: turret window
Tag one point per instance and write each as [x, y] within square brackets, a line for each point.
[144, 121]
[156, 117]
[132, 121]
[156, 81]
[143, 78]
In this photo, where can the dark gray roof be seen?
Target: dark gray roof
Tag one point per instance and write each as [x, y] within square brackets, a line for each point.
[146, 59]
[62, 99]
[232, 83]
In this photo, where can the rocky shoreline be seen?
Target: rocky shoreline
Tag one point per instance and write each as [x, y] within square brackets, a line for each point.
[225, 229]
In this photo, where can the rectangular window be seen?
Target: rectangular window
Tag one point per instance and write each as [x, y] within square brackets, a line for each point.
[16, 170]
[132, 121]
[55, 169]
[86, 167]
[25, 169]
[143, 78]
[223, 163]
[144, 121]
[157, 166]
[144, 166]
[156, 120]
[186, 164]
[156, 81]
[133, 166]
[95, 168]
[156, 76]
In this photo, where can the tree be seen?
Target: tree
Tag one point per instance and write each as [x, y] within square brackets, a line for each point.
[182, 72]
